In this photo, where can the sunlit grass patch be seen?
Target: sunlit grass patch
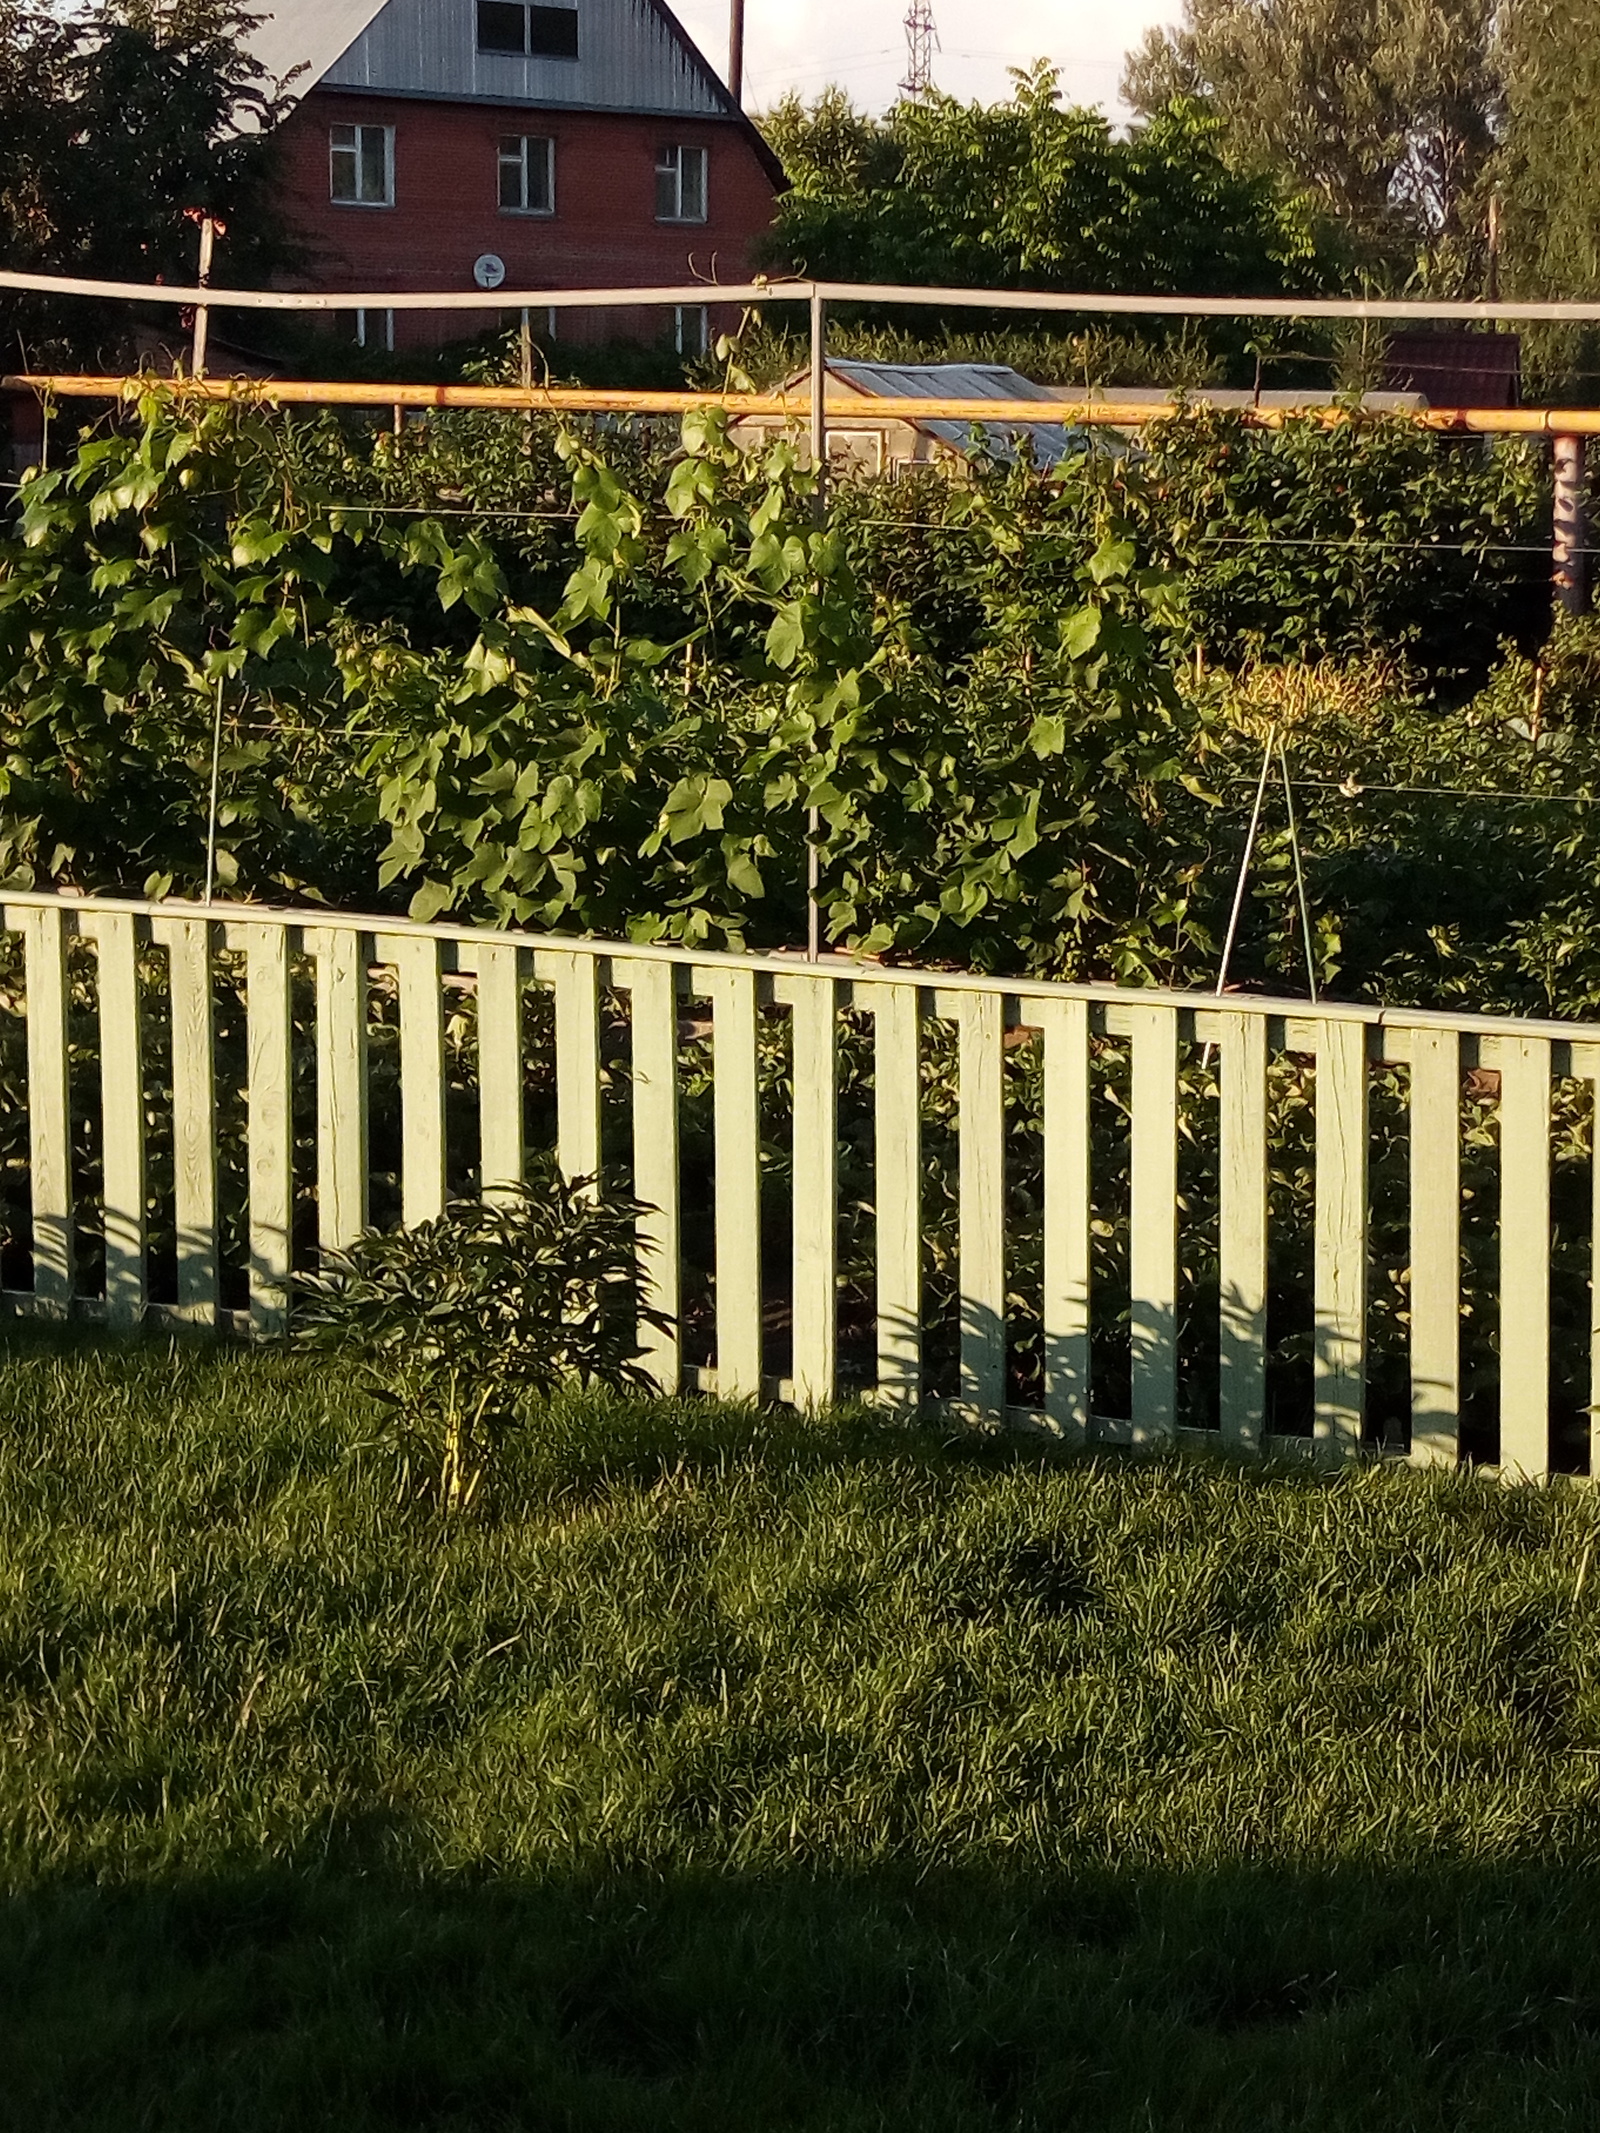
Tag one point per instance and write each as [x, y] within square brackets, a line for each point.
[732, 1768]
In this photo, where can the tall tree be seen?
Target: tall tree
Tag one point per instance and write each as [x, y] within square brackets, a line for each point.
[1386, 110]
[1029, 194]
[1549, 176]
[115, 121]
[1550, 170]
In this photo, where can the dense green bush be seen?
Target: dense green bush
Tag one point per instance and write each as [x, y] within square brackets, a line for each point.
[1349, 539]
[597, 680]
[461, 1322]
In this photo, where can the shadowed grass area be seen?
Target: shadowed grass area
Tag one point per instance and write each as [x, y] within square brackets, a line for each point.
[737, 1770]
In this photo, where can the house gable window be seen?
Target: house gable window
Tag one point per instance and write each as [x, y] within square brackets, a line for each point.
[527, 175]
[514, 27]
[680, 184]
[361, 166]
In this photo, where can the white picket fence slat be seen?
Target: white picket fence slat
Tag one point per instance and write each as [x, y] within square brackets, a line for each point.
[49, 1107]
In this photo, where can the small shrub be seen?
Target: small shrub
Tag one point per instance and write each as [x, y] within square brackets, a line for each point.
[463, 1321]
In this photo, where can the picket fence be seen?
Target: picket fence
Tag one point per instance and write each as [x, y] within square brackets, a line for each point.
[661, 985]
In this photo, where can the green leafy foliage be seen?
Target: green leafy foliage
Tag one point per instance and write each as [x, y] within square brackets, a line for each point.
[463, 1321]
[1386, 116]
[117, 119]
[1348, 540]
[174, 561]
[1026, 194]
[593, 681]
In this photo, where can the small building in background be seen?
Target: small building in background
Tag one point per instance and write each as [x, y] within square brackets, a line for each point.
[866, 436]
[1457, 368]
[1286, 400]
[481, 144]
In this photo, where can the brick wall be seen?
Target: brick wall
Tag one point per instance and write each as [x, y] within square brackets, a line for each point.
[446, 212]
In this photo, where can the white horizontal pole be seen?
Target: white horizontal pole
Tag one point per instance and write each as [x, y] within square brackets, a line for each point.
[833, 292]
[138, 292]
[1241, 307]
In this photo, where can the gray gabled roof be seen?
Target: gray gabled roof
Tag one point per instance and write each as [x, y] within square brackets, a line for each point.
[1050, 441]
[303, 38]
[634, 55]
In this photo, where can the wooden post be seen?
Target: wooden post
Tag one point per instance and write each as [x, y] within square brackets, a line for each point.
[736, 52]
[1571, 573]
[202, 313]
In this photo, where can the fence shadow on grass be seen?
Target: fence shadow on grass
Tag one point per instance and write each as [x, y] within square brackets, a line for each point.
[361, 1995]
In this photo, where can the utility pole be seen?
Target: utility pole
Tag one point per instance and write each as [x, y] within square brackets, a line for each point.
[922, 41]
[736, 51]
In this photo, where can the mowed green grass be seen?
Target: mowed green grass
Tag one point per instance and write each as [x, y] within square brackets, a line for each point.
[736, 1771]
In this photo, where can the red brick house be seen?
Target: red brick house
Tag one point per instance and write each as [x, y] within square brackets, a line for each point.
[455, 144]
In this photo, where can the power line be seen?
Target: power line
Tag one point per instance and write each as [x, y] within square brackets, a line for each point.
[1353, 789]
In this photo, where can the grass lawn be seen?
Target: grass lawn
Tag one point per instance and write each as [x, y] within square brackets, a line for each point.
[735, 1772]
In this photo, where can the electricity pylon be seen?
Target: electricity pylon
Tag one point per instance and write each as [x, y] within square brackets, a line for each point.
[922, 41]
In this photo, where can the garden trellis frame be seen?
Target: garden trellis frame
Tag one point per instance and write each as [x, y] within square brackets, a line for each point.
[1569, 427]
[1346, 1045]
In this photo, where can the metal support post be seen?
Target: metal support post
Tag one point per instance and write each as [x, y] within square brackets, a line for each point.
[1570, 572]
[819, 506]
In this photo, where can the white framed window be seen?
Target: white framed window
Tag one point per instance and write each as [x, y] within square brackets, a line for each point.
[361, 166]
[680, 184]
[547, 312]
[527, 175]
[691, 329]
[375, 329]
[525, 32]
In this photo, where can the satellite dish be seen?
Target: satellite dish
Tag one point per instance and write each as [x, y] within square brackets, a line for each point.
[489, 270]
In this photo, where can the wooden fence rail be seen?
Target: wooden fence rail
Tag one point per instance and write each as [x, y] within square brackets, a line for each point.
[115, 1077]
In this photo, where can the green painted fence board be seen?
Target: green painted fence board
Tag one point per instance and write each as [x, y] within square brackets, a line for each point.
[736, 1118]
[500, 1132]
[341, 960]
[1435, 1247]
[897, 1190]
[194, 1111]
[49, 1108]
[122, 1149]
[1242, 1233]
[1524, 1065]
[269, 1038]
[418, 968]
[1064, 1025]
[1339, 1304]
[1153, 1232]
[815, 1172]
[982, 1206]
[653, 993]
[574, 978]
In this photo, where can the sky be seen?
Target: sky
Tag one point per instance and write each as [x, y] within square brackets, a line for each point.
[806, 44]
